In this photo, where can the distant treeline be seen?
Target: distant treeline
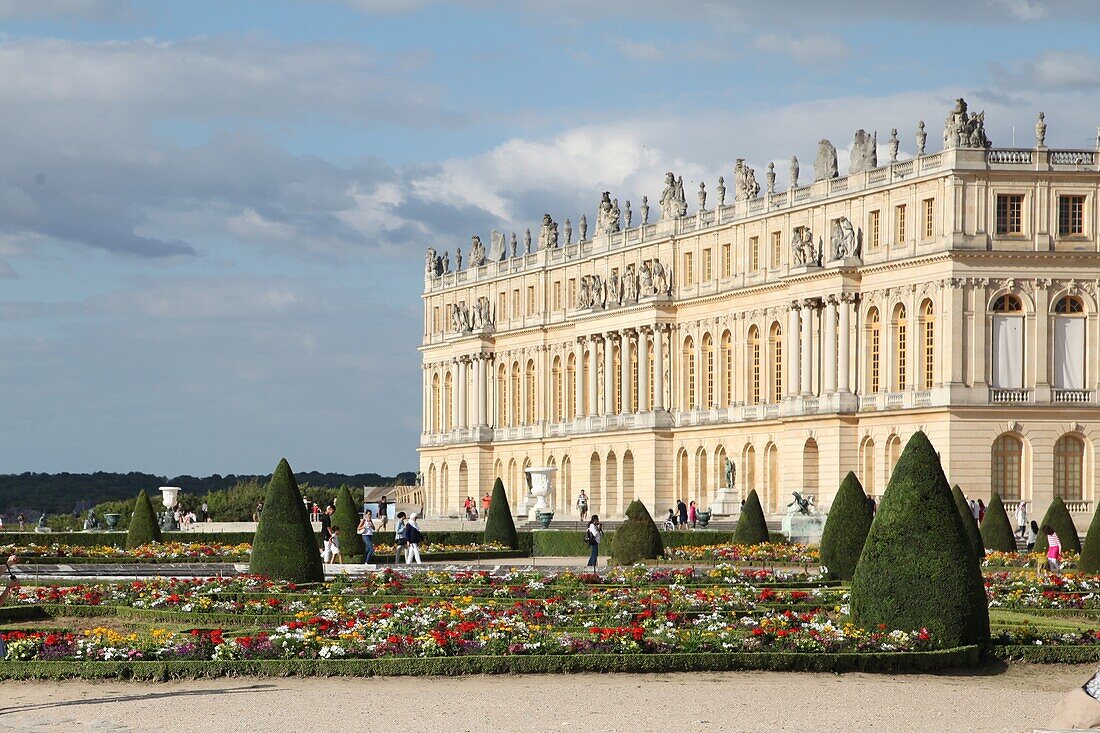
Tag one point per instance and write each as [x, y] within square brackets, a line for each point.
[61, 493]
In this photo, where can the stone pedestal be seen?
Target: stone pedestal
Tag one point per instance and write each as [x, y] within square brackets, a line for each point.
[803, 269]
[542, 484]
[725, 501]
[845, 262]
[804, 529]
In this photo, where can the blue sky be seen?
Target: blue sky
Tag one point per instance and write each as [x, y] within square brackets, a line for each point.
[213, 214]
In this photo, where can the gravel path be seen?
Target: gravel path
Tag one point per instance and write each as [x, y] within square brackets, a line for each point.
[1018, 699]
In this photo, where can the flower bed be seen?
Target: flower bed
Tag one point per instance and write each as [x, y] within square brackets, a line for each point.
[767, 553]
[168, 551]
[998, 559]
[1016, 590]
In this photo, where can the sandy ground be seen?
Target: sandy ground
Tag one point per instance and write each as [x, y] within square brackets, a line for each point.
[1018, 699]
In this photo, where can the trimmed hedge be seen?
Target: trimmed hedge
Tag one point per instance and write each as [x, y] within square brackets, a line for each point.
[958, 658]
[970, 524]
[346, 517]
[918, 569]
[638, 538]
[997, 531]
[752, 528]
[1089, 561]
[499, 525]
[846, 528]
[144, 526]
[1047, 653]
[1058, 517]
[285, 547]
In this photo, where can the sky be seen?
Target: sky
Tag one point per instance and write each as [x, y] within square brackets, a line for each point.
[213, 214]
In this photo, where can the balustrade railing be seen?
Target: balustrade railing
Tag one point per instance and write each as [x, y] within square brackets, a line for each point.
[1008, 156]
[1076, 396]
[1072, 157]
[1083, 506]
[1009, 396]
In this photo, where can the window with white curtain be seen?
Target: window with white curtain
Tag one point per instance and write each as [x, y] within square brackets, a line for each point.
[1069, 352]
[1008, 352]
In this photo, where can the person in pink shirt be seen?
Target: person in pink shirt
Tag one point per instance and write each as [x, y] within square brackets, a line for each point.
[692, 511]
[1054, 549]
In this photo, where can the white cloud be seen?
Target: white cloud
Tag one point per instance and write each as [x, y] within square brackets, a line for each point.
[1055, 70]
[812, 49]
[1023, 10]
[638, 51]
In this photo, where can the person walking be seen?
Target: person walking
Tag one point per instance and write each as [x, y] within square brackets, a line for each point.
[485, 502]
[1054, 549]
[1021, 519]
[693, 514]
[682, 512]
[413, 538]
[592, 536]
[326, 534]
[981, 511]
[383, 513]
[468, 505]
[205, 512]
[1032, 535]
[399, 538]
[335, 556]
[366, 529]
[582, 504]
[974, 509]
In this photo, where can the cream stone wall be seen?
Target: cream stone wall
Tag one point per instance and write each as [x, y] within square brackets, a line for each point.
[949, 258]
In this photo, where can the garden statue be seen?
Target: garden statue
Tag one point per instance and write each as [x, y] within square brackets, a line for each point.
[801, 505]
[731, 474]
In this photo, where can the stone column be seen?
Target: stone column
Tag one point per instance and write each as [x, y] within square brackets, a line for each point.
[829, 361]
[479, 406]
[643, 370]
[593, 377]
[609, 373]
[979, 373]
[658, 369]
[483, 388]
[626, 378]
[578, 375]
[806, 349]
[844, 348]
[794, 353]
[461, 388]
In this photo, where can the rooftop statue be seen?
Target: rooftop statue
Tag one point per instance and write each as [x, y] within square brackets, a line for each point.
[794, 172]
[477, 252]
[568, 231]
[497, 248]
[721, 191]
[844, 239]
[963, 129]
[1041, 131]
[894, 144]
[645, 199]
[629, 215]
[825, 165]
[864, 155]
[770, 178]
[514, 244]
[702, 196]
[445, 264]
[548, 233]
[584, 228]
[527, 241]
[673, 203]
[458, 259]
[745, 186]
[922, 138]
[433, 265]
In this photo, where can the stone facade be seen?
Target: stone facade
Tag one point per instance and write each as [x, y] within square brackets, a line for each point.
[954, 292]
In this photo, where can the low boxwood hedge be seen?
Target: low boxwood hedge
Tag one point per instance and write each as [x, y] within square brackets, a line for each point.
[895, 662]
[1047, 653]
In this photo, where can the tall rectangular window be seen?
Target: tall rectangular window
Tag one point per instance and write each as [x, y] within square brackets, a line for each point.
[557, 295]
[777, 248]
[727, 259]
[899, 224]
[689, 268]
[929, 230]
[502, 306]
[1010, 210]
[573, 291]
[1071, 215]
[754, 254]
[707, 265]
[875, 227]
[435, 318]
[515, 303]
[530, 300]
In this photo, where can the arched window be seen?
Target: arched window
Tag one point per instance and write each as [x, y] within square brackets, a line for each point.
[709, 392]
[570, 388]
[771, 466]
[702, 487]
[748, 469]
[556, 389]
[927, 345]
[1069, 461]
[1008, 342]
[893, 453]
[727, 369]
[688, 370]
[1069, 343]
[448, 403]
[900, 351]
[682, 464]
[810, 467]
[1005, 467]
[531, 417]
[502, 396]
[437, 404]
[874, 348]
[775, 346]
[514, 416]
[867, 463]
[754, 366]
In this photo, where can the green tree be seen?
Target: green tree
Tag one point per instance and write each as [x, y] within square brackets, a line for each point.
[285, 547]
[752, 528]
[918, 569]
[970, 524]
[499, 525]
[637, 538]
[346, 517]
[1090, 553]
[997, 531]
[144, 526]
[1058, 517]
[846, 529]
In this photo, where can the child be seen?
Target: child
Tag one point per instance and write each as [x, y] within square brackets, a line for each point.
[1054, 549]
[334, 543]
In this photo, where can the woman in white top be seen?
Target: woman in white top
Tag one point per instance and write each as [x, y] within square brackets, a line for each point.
[1021, 518]
[412, 541]
[592, 535]
[366, 529]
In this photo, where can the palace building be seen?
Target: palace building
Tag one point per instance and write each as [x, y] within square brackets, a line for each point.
[796, 334]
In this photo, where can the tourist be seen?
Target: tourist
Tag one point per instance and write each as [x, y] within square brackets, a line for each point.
[413, 537]
[1032, 535]
[582, 504]
[13, 585]
[1021, 518]
[383, 512]
[334, 547]
[692, 514]
[670, 521]
[205, 512]
[259, 509]
[366, 529]
[22, 522]
[1054, 549]
[326, 534]
[682, 512]
[469, 507]
[315, 514]
[398, 538]
[1079, 709]
[485, 502]
[974, 508]
[592, 536]
[981, 511]
[872, 506]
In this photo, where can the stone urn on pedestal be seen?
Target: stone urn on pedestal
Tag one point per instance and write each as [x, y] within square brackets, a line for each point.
[112, 521]
[168, 495]
[542, 479]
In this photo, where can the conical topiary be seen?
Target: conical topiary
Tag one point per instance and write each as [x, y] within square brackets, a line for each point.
[284, 547]
[751, 528]
[846, 529]
[144, 525]
[970, 524]
[997, 532]
[1090, 553]
[499, 525]
[1058, 517]
[918, 570]
[637, 538]
[346, 517]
